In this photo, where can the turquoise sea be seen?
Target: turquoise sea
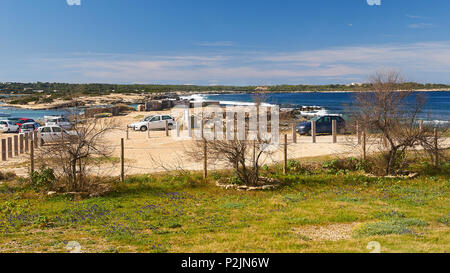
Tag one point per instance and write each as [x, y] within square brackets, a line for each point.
[437, 107]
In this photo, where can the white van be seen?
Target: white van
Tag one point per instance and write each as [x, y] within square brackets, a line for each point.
[58, 121]
[50, 134]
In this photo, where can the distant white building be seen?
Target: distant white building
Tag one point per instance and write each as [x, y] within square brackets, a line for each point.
[261, 88]
[355, 84]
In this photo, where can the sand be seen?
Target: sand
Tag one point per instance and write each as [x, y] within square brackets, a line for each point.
[159, 153]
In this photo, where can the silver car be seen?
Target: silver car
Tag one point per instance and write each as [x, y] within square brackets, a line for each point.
[153, 122]
[51, 134]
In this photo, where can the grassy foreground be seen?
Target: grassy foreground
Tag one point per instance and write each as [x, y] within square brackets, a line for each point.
[319, 212]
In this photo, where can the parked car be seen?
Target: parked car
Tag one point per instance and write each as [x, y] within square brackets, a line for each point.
[153, 122]
[59, 121]
[7, 126]
[15, 120]
[28, 127]
[23, 121]
[50, 134]
[323, 125]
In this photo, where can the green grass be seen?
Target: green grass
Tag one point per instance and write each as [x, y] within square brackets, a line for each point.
[183, 213]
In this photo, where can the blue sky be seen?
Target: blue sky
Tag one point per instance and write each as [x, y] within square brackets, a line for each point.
[212, 42]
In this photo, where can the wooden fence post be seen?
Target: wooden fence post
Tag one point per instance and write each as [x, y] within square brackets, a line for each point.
[313, 131]
[358, 132]
[421, 125]
[35, 139]
[122, 161]
[148, 132]
[41, 140]
[167, 128]
[128, 136]
[294, 133]
[27, 140]
[205, 159]
[32, 157]
[178, 128]
[364, 145]
[334, 130]
[190, 126]
[436, 148]
[10, 152]
[16, 145]
[285, 154]
[21, 144]
[3, 149]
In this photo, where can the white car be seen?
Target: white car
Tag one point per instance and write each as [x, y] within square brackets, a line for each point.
[50, 134]
[58, 121]
[8, 126]
[153, 122]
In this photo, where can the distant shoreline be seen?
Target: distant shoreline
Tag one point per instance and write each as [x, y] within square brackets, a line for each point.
[114, 98]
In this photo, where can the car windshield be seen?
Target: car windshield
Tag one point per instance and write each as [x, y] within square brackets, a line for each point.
[315, 118]
[148, 118]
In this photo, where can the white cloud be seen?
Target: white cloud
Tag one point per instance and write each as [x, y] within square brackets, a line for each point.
[420, 61]
[73, 2]
[416, 16]
[421, 25]
[374, 2]
[217, 43]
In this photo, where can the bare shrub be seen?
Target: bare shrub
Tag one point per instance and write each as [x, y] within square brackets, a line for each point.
[390, 117]
[74, 155]
[242, 155]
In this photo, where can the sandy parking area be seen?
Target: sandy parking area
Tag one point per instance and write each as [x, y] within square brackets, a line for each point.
[159, 152]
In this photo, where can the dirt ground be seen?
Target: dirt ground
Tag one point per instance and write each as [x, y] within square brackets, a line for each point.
[159, 152]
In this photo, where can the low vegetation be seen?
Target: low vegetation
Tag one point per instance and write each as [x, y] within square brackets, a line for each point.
[48, 92]
[321, 207]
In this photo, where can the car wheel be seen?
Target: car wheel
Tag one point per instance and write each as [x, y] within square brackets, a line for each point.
[143, 128]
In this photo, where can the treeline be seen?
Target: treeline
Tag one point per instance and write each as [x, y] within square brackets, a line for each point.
[69, 90]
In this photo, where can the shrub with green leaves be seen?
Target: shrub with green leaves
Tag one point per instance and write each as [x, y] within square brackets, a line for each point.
[43, 180]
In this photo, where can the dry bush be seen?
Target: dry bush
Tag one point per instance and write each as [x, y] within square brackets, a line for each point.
[243, 156]
[391, 119]
[75, 157]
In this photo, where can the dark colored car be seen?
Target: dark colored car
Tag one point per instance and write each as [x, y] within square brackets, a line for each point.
[323, 125]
